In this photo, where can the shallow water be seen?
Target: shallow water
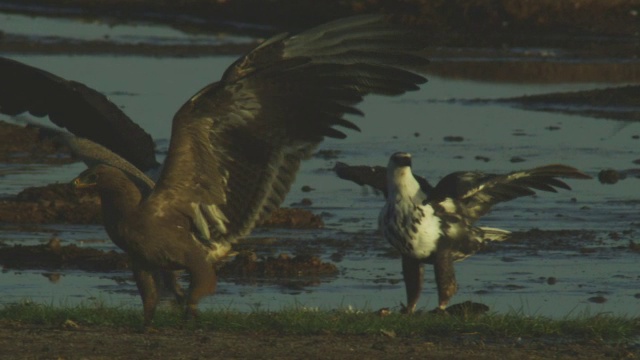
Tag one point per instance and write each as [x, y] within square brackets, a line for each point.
[55, 29]
[507, 278]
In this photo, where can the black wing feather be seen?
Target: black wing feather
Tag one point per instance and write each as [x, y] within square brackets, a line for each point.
[374, 176]
[479, 192]
[237, 145]
[72, 105]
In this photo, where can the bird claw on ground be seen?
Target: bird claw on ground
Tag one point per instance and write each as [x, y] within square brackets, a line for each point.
[404, 309]
[439, 311]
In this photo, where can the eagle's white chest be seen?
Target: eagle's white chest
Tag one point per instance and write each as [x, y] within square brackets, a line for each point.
[411, 228]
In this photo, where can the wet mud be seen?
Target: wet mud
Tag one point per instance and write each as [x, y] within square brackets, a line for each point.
[244, 267]
[481, 19]
[613, 103]
[12, 43]
[25, 145]
[102, 342]
[572, 242]
[61, 203]
[55, 256]
[506, 66]
[616, 103]
[255, 257]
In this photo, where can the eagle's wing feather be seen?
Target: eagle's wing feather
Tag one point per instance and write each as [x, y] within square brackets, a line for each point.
[478, 192]
[83, 111]
[237, 144]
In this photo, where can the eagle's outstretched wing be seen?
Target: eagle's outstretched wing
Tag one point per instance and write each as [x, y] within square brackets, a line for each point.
[237, 144]
[479, 191]
[83, 111]
[374, 176]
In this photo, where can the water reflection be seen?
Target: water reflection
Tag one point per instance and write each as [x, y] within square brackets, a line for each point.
[42, 28]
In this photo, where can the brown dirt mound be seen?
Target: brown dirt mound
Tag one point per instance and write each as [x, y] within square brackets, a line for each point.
[474, 19]
[60, 203]
[55, 256]
[77, 341]
[23, 145]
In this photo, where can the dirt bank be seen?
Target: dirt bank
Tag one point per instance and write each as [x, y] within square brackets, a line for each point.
[460, 18]
[19, 341]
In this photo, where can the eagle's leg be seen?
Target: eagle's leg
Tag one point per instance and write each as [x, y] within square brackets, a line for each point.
[148, 291]
[170, 281]
[445, 277]
[203, 283]
[413, 273]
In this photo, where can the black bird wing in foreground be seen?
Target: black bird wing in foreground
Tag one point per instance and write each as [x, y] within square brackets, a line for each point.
[480, 191]
[374, 176]
[72, 105]
[237, 144]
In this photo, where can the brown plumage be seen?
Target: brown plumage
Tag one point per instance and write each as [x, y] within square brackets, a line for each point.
[436, 225]
[237, 144]
[154, 238]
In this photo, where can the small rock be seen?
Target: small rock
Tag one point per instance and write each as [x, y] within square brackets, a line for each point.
[54, 245]
[517, 159]
[336, 257]
[388, 333]
[53, 277]
[467, 308]
[482, 158]
[327, 154]
[306, 202]
[70, 324]
[608, 176]
[598, 299]
[551, 280]
[452, 138]
[307, 188]
[514, 287]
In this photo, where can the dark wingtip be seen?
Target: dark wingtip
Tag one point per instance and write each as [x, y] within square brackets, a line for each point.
[565, 171]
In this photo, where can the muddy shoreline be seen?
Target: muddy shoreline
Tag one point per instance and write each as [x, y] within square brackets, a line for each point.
[21, 341]
[476, 20]
[601, 29]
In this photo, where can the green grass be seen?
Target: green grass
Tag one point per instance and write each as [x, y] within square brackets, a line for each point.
[300, 321]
